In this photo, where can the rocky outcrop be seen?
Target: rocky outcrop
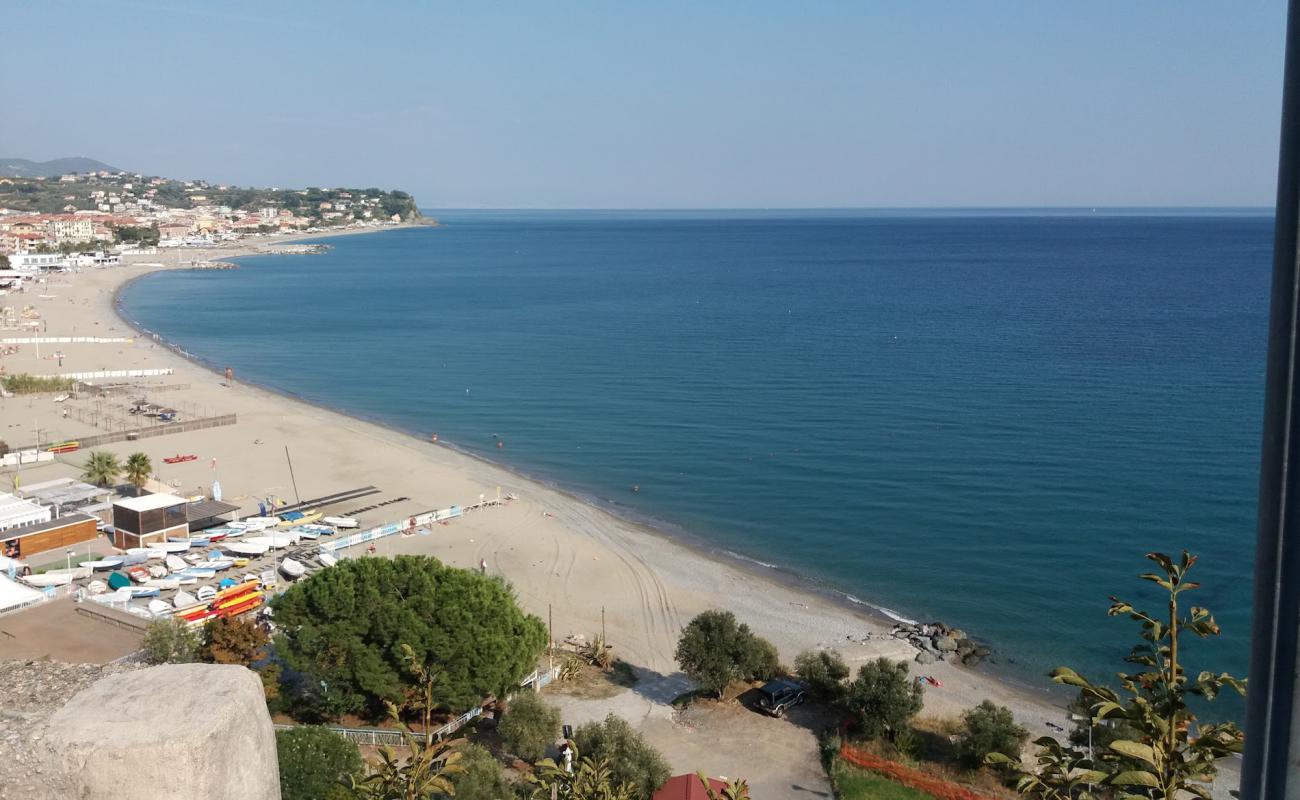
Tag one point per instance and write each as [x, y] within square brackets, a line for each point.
[937, 642]
[179, 730]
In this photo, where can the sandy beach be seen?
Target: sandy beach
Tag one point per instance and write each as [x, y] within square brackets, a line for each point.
[565, 558]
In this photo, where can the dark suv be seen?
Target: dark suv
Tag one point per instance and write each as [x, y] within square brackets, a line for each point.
[779, 696]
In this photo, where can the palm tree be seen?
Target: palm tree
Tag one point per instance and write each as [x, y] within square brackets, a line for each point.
[101, 468]
[138, 470]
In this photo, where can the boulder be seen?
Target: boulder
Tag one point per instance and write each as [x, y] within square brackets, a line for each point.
[958, 634]
[178, 730]
[971, 660]
[945, 644]
[925, 657]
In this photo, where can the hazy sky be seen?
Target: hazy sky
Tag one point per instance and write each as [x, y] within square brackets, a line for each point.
[665, 104]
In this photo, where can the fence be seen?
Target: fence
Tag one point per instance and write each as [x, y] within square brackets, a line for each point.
[381, 736]
[87, 442]
[112, 617]
[116, 373]
[67, 340]
[935, 787]
[391, 528]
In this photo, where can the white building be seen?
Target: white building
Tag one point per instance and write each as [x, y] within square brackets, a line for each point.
[15, 511]
[38, 262]
[72, 230]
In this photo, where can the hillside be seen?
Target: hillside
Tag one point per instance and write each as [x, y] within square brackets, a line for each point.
[25, 168]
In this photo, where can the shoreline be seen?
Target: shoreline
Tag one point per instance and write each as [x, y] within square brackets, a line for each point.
[875, 613]
[653, 580]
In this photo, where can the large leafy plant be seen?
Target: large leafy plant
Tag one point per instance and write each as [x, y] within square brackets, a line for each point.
[1173, 754]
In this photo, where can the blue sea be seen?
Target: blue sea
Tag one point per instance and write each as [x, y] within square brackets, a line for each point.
[985, 418]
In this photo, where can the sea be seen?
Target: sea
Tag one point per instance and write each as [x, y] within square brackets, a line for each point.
[980, 417]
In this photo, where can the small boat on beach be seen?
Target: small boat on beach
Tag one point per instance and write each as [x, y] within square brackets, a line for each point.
[205, 593]
[183, 599]
[149, 553]
[175, 563]
[157, 571]
[117, 581]
[305, 532]
[103, 564]
[144, 591]
[46, 579]
[291, 519]
[160, 608]
[269, 578]
[172, 546]
[199, 572]
[340, 522]
[180, 459]
[220, 564]
[164, 584]
[96, 587]
[259, 523]
[137, 573]
[292, 569]
[184, 580]
[130, 559]
[323, 530]
[275, 541]
[247, 548]
[327, 559]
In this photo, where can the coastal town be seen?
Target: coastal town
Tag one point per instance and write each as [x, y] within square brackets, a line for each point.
[92, 219]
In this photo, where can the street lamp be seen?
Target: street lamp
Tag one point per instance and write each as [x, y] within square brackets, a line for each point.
[70, 554]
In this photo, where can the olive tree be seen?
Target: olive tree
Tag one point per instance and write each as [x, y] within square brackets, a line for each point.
[715, 650]
[883, 697]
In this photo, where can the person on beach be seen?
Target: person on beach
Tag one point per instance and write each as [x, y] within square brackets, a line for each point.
[482, 566]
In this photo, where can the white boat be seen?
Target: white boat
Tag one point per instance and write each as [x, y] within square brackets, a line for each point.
[46, 579]
[144, 591]
[219, 564]
[247, 548]
[160, 608]
[269, 578]
[97, 587]
[176, 563]
[340, 522]
[195, 559]
[183, 599]
[111, 598]
[328, 559]
[275, 541]
[205, 593]
[260, 523]
[292, 569]
[171, 547]
[150, 553]
[163, 583]
[199, 572]
[104, 563]
[323, 530]
[249, 577]
[184, 580]
[304, 532]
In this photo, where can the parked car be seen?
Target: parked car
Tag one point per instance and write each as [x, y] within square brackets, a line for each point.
[779, 696]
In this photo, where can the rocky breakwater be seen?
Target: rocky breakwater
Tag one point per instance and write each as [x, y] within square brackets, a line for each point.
[935, 641]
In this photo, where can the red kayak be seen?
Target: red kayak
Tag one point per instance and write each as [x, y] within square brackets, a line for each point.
[178, 459]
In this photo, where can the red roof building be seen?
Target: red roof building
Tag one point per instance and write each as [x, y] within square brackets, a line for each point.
[687, 787]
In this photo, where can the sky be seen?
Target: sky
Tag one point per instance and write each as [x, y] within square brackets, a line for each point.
[895, 103]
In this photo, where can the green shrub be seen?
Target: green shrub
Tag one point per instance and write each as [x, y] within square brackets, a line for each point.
[169, 641]
[715, 650]
[314, 763]
[824, 671]
[883, 698]
[632, 760]
[530, 726]
[990, 729]
[482, 777]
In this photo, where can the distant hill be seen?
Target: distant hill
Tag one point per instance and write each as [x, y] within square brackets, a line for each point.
[23, 168]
